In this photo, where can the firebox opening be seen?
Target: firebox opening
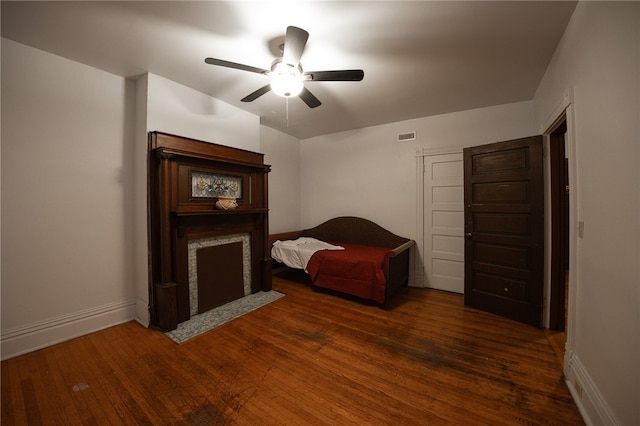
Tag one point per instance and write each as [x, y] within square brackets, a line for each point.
[219, 271]
[220, 278]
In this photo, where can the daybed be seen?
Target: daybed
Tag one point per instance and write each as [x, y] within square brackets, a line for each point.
[369, 261]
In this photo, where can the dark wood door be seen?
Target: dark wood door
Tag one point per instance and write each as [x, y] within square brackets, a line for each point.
[504, 229]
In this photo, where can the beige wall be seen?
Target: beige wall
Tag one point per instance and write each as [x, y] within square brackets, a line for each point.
[282, 152]
[598, 58]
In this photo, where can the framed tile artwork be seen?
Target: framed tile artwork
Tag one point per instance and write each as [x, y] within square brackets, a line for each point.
[214, 185]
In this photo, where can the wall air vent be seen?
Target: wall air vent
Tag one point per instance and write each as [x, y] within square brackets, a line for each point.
[409, 136]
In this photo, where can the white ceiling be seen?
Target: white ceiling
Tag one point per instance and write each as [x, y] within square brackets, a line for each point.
[420, 58]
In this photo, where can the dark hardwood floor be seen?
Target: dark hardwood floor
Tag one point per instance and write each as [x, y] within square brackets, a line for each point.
[307, 358]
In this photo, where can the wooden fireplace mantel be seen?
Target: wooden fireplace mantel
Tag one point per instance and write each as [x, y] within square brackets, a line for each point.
[176, 216]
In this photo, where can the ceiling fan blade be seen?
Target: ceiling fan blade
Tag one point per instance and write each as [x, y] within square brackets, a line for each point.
[227, 64]
[309, 98]
[255, 95]
[294, 42]
[337, 75]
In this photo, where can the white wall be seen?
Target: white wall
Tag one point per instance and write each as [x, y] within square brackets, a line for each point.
[282, 152]
[367, 173]
[599, 58]
[179, 110]
[140, 206]
[66, 229]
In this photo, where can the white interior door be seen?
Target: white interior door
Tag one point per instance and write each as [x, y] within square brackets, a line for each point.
[444, 222]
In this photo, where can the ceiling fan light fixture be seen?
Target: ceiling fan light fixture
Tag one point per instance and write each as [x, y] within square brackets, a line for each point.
[286, 81]
[287, 76]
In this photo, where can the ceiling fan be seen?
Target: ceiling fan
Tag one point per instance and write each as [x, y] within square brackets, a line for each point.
[287, 75]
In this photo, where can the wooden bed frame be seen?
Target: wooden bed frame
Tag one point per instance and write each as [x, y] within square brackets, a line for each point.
[356, 230]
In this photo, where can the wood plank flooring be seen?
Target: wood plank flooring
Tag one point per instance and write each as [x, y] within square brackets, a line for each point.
[309, 358]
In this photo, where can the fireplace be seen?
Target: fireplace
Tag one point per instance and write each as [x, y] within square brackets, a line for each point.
[202, 256]
[219, 271]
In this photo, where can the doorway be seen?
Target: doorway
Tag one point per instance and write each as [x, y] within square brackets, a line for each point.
[559, 266]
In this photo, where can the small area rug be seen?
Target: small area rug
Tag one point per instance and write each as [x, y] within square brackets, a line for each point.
[213, 318]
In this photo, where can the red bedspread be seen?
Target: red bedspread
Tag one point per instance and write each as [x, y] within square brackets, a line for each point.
[356, 270]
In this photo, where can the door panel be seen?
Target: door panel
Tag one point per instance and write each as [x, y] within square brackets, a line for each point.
[496, 285]
[493, 223]
[504, 196]
[517, 257]
[499, 161]
[500, 192]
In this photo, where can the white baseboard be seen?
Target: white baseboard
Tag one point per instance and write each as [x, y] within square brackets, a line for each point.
[38, 335]
[586, 394]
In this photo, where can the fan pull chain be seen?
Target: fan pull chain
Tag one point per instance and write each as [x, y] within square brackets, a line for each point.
[286, 108]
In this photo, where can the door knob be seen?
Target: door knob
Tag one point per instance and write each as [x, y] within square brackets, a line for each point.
[468, 235]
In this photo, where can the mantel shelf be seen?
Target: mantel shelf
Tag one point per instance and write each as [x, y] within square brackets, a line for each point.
[219, 212]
